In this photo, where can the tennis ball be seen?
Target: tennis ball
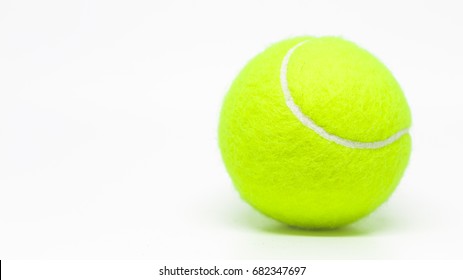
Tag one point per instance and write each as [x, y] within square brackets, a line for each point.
[314, 132]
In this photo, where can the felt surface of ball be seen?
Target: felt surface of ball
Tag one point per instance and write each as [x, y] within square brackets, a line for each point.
[314, 132]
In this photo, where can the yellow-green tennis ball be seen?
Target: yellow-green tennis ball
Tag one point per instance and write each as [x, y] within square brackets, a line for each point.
[314, 132]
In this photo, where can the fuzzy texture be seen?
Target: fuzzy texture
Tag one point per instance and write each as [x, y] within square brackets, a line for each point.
[285, 169]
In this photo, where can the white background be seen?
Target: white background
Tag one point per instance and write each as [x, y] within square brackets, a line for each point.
[108, 128]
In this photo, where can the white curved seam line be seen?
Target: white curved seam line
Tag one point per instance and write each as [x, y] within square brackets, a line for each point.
[308, 122]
